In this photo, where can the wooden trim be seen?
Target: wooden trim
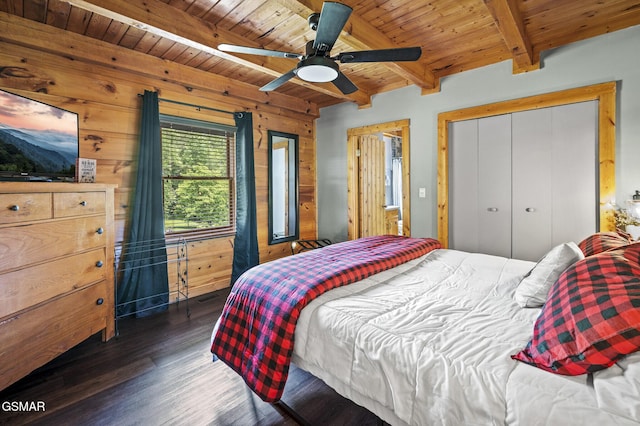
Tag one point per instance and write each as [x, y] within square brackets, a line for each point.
[406, 183]
[378, 128]
[604, 93]
[607, 157]
[353, 206]
[353, 230]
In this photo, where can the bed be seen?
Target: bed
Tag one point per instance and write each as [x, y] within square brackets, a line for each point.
[449, 337]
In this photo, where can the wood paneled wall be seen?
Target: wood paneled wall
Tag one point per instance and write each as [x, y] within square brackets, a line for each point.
[101, 83]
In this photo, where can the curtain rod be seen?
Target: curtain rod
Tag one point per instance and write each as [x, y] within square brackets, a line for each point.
[192, 105]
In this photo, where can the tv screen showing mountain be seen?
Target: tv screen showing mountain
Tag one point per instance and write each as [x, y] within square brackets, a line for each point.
[38, 141]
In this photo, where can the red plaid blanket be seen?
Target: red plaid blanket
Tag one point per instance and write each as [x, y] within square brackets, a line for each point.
[255, 332]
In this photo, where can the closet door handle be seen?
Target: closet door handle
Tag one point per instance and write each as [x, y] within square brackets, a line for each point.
[492, 209]
[530, 209]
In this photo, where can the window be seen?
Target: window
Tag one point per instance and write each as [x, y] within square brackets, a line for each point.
[198, 177]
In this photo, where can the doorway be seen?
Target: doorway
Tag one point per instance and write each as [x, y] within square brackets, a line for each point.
[378, 199]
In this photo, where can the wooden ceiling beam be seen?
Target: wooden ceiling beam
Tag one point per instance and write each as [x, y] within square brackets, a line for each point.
[166, 21]
[46, 38]
[508, 19]
[361, 35]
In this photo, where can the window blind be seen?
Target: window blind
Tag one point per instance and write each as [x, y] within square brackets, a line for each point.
[198, 176]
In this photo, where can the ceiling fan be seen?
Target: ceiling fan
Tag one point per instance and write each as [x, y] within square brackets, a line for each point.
[316, 65]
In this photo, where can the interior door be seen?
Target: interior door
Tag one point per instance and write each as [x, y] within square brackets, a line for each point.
[354, 164]
[532, 183]
[554, 177]
[494, 185]
[480, 185]
[575, 182]
[593, 178]
[371, 184]
[463, 185]
[523, 182]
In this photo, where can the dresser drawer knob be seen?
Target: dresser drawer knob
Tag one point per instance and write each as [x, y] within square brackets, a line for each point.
[15, 208]
[99, 263]
[83, 203]
[99, 231]
[100, 301]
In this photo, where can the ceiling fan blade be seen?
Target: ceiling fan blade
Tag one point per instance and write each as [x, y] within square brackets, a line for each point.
[382, 55]
[332, 20]
[256, 51]
[278, 81]
[345, 85]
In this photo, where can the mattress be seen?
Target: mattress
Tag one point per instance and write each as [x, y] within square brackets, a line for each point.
[429, 342]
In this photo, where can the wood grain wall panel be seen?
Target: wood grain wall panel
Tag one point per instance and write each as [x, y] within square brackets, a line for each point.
[119, 172]
[108, 105]
[108, 145]
[122, 201]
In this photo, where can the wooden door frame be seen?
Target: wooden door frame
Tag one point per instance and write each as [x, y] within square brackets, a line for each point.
[604, 93]
[353, 206]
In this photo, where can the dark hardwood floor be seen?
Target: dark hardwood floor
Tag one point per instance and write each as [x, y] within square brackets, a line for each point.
[159, 371]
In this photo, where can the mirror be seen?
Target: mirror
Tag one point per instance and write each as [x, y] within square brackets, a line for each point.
[283, 187]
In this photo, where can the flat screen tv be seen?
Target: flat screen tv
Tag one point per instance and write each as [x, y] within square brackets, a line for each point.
[38, 142]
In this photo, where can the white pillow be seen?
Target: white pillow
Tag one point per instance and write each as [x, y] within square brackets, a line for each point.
[532, 290]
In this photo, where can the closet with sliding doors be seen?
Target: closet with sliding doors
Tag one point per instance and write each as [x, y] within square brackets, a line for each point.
[522, 182]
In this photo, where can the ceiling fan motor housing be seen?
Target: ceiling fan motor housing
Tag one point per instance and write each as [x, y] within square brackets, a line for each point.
[317, 66]
[308, 49]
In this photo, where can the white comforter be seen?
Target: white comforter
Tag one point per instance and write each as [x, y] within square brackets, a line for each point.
[429, 343]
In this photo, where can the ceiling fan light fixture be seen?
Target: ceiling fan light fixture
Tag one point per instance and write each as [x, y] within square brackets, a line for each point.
[317, 69]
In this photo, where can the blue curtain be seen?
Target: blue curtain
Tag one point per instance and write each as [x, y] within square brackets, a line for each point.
[144, 288]
[245, 247]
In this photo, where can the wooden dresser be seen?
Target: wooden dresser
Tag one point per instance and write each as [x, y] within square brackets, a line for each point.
[56, 271]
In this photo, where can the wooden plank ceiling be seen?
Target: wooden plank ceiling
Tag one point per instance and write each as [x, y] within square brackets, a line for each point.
[455, 35]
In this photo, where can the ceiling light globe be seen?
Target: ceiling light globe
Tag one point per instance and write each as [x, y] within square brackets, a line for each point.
[317, 69]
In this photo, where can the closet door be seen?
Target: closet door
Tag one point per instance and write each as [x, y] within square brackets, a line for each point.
[575, 179]
[554, 177]
[522, 183]
[463, 185]
[494, 185]
[532, 183]
[480, 185]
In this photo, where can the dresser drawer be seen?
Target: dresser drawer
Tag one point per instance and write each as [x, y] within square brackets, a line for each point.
[30, 286]
[16, 208]
[68, 204]
[35, 337]
[34, 243]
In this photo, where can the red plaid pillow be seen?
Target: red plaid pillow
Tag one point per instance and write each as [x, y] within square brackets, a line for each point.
[603, 241]
[592, 316]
